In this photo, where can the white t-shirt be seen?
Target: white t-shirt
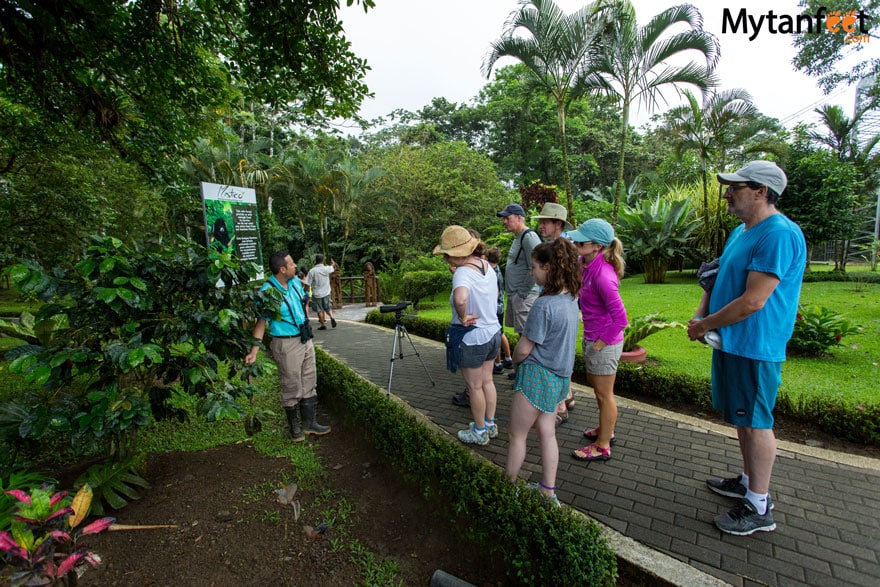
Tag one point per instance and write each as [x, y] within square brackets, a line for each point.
[482, 301]
[319, 279]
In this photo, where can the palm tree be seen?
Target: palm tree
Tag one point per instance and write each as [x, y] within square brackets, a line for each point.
[554, 51]
[709, 128]
[631, 62]
[354, 183]
[308, 180]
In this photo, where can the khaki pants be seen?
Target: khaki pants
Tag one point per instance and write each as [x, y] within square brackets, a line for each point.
[296, 369]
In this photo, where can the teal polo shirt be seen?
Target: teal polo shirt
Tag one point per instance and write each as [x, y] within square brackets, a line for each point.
[293, 296]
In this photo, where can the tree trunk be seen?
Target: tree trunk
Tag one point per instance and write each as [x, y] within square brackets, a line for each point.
[618, 193]
[655, 270]
[569, 196]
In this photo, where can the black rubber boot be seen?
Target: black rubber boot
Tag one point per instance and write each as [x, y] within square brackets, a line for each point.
[307, 408]
[293, 427]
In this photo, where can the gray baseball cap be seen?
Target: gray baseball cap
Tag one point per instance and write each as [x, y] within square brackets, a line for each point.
[763, 172]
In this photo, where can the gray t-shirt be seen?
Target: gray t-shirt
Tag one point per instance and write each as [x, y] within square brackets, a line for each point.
[553, 325]
[517, 276]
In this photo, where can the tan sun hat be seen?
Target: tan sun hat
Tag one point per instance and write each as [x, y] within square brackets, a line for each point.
[552, 211]
[456, 241]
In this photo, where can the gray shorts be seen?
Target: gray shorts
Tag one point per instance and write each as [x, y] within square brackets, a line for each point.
[322, 304]
[518, 310]
[473, 356]
[603, 362]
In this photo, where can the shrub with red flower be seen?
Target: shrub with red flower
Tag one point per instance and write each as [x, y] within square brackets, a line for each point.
[536, 194]
[816, 330]
[40, 546]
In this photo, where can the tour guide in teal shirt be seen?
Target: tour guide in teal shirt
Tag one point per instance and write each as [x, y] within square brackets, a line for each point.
[294, 356]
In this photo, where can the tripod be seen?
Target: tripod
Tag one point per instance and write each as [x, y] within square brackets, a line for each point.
[400, 333]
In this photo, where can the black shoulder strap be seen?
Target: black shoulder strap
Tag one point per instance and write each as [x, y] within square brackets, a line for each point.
[521, 237]
[287, 303]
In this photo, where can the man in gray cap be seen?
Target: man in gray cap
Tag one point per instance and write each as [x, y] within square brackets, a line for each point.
[752, 306]
[518, 281]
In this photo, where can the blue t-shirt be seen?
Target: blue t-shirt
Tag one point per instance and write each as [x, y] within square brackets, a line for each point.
[553, 325]
[776, 246]
[293, 295]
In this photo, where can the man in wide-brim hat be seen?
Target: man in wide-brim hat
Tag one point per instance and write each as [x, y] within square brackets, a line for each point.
[553, 221]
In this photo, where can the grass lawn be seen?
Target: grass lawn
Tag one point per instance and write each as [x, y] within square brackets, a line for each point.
[850, 375]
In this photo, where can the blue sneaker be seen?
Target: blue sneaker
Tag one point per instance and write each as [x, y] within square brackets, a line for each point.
[492, 430]
[551, 498]
[471, 436]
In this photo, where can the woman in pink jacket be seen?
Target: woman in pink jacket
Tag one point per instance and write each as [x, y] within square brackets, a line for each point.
[604, 320]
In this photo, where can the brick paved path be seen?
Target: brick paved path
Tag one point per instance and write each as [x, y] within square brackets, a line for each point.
[653, 490]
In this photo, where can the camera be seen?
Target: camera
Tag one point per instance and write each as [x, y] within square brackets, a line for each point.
[305, 332]
[398, 307]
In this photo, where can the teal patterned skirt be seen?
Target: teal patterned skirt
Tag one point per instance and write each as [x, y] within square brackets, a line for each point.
[543, 388]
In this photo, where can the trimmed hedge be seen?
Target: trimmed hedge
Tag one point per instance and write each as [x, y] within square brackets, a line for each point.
[858, 276]
[542, 544]
[841, 419]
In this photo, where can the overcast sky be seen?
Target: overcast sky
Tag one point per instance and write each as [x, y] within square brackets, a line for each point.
[421, 49]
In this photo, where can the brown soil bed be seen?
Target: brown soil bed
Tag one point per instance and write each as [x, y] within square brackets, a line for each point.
[231, 529]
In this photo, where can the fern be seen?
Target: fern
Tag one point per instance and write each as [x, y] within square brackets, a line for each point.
[114, 483]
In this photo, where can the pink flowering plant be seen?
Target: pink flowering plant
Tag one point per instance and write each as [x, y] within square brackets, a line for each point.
[816, 330]
[40, 546]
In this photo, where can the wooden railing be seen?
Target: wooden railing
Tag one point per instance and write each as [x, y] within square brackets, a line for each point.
[357, 289]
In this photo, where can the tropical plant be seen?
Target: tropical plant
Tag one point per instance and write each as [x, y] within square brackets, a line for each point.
[28, 329]
[21, 480]
[354, 183]
[822, 197]
[710, 129]
[137, 321]
[817, 329]
[555, 51]
[642, 327]
[40, 546]
[114, 483]
[655, 232]
[632, 63]
[149, 78]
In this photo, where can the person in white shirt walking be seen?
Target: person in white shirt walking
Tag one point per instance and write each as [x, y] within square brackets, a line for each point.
[319, 281]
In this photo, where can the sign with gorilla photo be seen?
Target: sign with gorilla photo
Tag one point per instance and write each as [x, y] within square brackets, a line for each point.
[231, 221]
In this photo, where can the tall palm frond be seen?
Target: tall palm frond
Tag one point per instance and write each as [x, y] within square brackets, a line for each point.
[631, 62]
[555, 51]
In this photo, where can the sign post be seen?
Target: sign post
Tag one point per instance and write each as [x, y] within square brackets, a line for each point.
[231, 222]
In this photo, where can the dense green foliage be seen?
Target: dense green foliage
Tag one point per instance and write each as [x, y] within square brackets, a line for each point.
[151, 77]
[542, 544]
[426, 188]
[135, 324]
[820, 55]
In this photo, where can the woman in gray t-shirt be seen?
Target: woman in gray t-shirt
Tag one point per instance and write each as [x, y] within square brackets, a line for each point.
[545, 358]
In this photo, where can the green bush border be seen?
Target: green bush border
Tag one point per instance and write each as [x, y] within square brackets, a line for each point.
[542, 544]
[857, 423]
[855, 276]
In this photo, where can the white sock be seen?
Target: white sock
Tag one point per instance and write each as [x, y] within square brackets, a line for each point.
[745, 480]
[759, 500]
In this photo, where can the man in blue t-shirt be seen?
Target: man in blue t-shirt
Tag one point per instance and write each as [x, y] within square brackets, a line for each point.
[293, 353]
[752, 308]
